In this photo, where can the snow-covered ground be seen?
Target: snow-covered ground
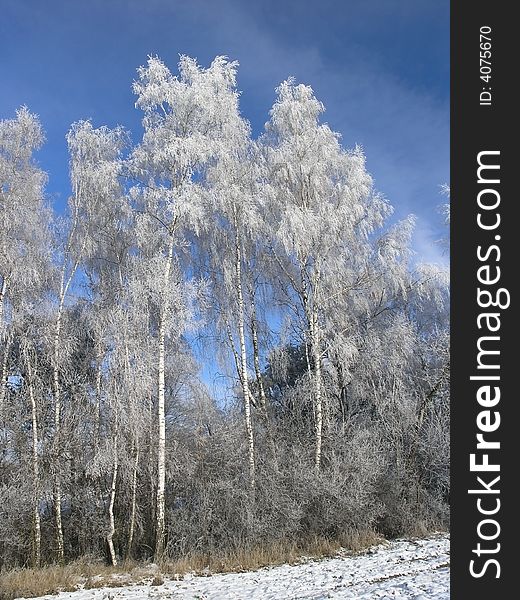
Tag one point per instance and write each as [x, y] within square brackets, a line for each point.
[411, 569]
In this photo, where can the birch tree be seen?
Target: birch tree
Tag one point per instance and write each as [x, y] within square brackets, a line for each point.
[321, 201]
[25, 272]
[34, 389]
[181, 136]
[230, 227]
[106, 262]
[23, 216]
[27, 320]
[83, 206]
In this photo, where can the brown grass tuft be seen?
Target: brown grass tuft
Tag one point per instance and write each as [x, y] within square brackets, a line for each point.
[84, 572]
[90, 573]
[270, 555]
[30, 583]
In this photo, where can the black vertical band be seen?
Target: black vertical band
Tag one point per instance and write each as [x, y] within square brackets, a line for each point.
[484, 248]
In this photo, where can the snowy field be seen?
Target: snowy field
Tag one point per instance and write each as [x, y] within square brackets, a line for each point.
[417, 569]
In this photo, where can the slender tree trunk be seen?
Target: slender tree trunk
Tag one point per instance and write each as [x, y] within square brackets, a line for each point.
[112, 526]
[6, 342]
[161, 451]
[60, 551]
[161, 421]
[243, 358]
[3, 290]
[256, 360]
[5, 361]
[64, 286]
[151, 454]
[135, 444]
[234, 351]
[133, 502]
[98, 403]
[35, 470]
[311, 312]
[316, 355]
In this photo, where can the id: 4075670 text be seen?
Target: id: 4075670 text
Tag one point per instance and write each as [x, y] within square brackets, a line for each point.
[485, 65]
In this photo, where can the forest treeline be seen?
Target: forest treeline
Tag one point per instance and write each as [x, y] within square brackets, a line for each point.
[202, 249]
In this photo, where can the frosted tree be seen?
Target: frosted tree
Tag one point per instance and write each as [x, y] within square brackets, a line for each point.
[27, 320]
[229, 232]
[109, 239]
[23, 215]
[134, 319]
[83, 207]
[30, 346]
[105, 265]
[323, 208]
[182, 116]
[25, 274]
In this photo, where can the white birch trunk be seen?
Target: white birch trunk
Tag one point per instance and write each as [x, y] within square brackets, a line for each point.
[161, 450]
[98, 404]
[65, 283]
[256, 360]
[243, 359]
[133, 502]
[5, 343]
[60, 551]
[311, 312]
[5, 359]
[64, 286]
[135, 447]
[316, 354]
[234, 351]
[3, 290]
[35, 471]
[112, 525]
[161, 421]
[151, 443]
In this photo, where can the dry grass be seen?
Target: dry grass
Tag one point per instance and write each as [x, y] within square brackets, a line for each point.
[270, 555]
[87, 573]
[90, 574]
[36, 582]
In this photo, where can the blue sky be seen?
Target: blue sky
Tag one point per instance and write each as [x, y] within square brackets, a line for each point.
[381, 67]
